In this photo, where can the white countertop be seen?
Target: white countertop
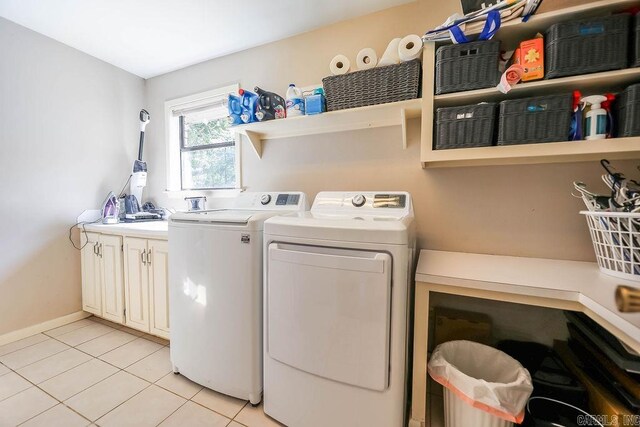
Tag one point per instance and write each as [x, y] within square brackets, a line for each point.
[580, 282]
[149, 229]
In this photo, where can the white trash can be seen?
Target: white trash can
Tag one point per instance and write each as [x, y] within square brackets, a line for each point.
[483, 387]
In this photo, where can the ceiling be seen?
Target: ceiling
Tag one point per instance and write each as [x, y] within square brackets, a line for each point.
[152, 37]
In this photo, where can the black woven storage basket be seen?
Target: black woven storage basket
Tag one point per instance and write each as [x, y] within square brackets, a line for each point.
[533, 120]
[467, 66]
[587, 46]
[465, 127]
[635, 41]
[378, 85]
[629, 111]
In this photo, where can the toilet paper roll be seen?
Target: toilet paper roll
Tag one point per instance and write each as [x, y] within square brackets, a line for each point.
[410, 47]
[366, 59]
[390, 55]
[340, 64]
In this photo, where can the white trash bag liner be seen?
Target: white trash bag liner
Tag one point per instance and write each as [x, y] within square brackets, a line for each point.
[482, 377]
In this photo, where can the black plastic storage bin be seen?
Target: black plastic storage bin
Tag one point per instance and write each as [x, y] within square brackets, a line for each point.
[465, 127]
[467, 66]
[629, 111]
[587, 46]
[379, 85]
[635, 41]
[533, 120]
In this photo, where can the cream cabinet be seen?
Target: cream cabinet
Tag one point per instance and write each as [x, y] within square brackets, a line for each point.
[159, 287]
[125, 279]
[146, 285]
[102, 276]
[91, 277]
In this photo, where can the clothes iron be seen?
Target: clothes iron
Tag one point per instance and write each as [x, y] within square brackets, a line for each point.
[270, 106]
[110, 209]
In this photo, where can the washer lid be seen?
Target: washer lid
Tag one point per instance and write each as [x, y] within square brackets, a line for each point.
[348, 227]
[216, 216]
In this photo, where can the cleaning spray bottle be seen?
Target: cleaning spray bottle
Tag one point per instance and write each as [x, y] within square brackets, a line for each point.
[576, 118]
[595, 126]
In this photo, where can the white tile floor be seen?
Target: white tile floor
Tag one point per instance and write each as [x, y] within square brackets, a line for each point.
[93, 372]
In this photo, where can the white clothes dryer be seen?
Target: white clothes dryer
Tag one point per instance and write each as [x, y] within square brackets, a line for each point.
[337, 292]
[215, 295]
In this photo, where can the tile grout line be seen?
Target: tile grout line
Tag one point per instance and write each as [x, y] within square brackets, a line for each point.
[74, 346]
[48, 394]
[121, 403]
[73, 330]
[27, 346]
[53, 354]
[177, 409]
[233, 419]
[212, 410]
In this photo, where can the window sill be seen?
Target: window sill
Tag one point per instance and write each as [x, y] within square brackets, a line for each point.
[213, 194]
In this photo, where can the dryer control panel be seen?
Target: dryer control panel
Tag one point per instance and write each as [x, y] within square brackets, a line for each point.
[383, 203]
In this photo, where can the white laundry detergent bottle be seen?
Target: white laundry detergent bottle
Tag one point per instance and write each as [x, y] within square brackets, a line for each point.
[295, 101]
[596, 119]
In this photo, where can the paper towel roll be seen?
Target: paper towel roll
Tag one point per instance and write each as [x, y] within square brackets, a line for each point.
[410, 47]
[390, 55]
[339, 65]
[366, 59]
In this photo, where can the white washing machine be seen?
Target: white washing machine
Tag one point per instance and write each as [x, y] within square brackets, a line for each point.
[336, 311]
[215, 296]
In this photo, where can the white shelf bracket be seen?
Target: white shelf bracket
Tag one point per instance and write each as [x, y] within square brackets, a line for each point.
[255, 140]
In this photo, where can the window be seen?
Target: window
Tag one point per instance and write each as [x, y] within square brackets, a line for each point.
[203, 152]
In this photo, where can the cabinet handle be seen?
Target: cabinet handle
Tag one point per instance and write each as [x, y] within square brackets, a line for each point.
[95, 248]
[143, 257]
[149, 257]
[100, 250]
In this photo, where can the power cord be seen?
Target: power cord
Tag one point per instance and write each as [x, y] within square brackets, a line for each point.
[125, 186]
[83, 223]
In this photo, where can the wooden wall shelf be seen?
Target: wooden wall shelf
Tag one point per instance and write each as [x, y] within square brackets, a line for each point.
[373, 116]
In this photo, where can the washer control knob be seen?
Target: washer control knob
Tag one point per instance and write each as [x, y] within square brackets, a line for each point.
[358, 200]
[265, 199]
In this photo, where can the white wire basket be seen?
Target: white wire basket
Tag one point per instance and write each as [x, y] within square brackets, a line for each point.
[616, 241]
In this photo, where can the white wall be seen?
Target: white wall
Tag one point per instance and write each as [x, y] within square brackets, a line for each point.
[523, 210]
[68, 135]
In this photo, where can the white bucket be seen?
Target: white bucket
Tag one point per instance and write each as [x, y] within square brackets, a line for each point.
[458, 413]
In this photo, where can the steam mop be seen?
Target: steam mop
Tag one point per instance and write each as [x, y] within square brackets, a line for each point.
[138, 181]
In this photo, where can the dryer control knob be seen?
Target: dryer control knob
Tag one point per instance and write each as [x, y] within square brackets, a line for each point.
[265, 199]
[358, 200]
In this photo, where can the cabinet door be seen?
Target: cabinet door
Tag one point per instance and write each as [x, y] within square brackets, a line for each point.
[91, 277]
[136, 283]
[112, 278]
[159, 287]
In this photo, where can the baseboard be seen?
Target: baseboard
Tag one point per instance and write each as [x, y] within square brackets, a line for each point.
[41, 327]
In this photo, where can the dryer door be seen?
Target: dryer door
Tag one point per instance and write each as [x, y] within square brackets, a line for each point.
[329, 311]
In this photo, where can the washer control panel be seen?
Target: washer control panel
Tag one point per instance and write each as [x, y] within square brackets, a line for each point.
[265, 199]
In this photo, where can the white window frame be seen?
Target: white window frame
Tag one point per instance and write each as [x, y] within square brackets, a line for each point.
[172, 137]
